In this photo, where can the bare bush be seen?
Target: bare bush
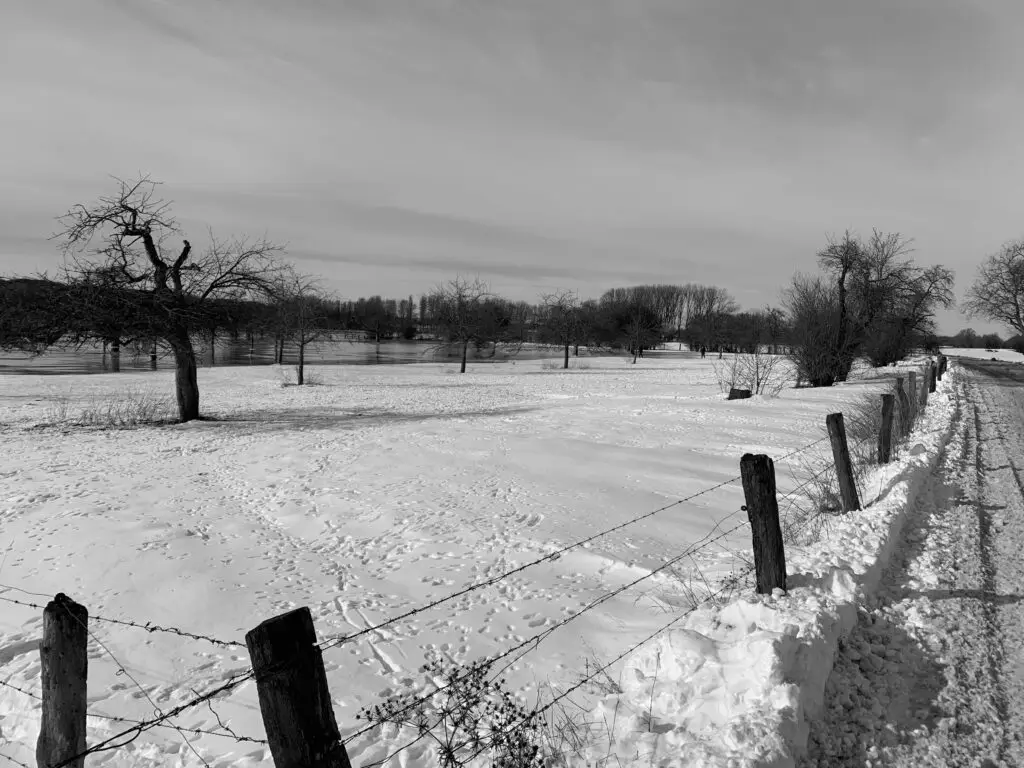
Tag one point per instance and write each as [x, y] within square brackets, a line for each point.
[762, 374]
[472, 713]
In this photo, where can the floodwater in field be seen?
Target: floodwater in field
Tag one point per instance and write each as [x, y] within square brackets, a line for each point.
[94, 359]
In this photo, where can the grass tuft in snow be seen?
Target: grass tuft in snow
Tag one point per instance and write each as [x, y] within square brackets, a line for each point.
[130, 407]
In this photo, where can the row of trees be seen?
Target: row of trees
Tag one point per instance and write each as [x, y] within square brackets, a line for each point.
[129, 278]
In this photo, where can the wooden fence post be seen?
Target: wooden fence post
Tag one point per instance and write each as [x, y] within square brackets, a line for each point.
[904, 403]
[933, 371]
[65, 664]
[885, 432]
[912, 399]
[294, 699]
[942, 365]
[841, 456]
[758, 473]
[924, 388]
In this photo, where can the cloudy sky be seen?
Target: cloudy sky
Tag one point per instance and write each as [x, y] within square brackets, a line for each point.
[393, 144]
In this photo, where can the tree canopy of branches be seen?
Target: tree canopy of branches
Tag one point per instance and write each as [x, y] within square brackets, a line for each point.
[561, 321]
[997, 293]
[873, 300]
[466, 312]
[135, 278]
[303, 315]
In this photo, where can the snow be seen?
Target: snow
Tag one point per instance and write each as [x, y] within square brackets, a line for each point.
[1002, 355]
[385, 488]
[741, 684]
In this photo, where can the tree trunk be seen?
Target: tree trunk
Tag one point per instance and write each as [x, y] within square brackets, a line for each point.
[186, 382]
[465, 350]
[115, 355]
[152, 356]
[566, 365]
[300, 373]
[576, 351]
[213, 348]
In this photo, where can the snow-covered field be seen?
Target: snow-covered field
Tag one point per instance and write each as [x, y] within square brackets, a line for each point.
[386, 488]
[1003, 355]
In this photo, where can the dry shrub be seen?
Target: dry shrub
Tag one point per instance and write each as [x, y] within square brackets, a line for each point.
[761, 373]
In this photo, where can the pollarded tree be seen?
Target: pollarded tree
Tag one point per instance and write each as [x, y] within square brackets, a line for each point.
[168, 292]
[997, 293]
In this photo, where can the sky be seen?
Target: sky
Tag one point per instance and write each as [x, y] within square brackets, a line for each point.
[538, 144]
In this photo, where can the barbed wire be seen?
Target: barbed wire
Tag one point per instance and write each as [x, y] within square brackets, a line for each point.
[5, 684]
[148, 626]
[550, 557]
[604, 667]
[118, 719]
[13, 761]
[140, 726]
[121, 670]
[194, 731]
[537, 639]
[144, 725]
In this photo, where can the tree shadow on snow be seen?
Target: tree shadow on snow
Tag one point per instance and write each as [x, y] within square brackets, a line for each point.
[339, 419]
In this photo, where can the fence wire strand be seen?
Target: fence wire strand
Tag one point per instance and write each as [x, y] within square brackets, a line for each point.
[537, 639]
[140, 726]
[148, 626]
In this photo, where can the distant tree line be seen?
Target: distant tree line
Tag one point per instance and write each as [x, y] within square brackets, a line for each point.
[128, 279]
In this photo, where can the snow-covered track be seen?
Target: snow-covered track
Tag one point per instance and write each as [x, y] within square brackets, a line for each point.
[933, 673]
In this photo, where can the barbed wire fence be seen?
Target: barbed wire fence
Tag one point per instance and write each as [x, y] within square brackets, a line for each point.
[163, 718]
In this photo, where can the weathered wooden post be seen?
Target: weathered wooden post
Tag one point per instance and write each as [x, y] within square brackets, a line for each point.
[152, 356]
[904, 406]
[65, 663]
[885, 432]
[738, 394]
[942, 366]
[925, 383]
[841, 456]
[933, 371]
[758, 473]
[912, 399]
[294, 699]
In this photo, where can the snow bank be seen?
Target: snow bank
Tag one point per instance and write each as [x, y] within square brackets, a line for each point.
[737, 685]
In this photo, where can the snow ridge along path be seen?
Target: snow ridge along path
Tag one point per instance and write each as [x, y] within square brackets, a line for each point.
[933, 672]
[743, 684]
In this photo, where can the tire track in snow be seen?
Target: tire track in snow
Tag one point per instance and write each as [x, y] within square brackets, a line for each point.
[989, 606]
[911, 685]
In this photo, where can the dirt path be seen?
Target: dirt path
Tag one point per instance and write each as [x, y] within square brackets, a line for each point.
[933, 675]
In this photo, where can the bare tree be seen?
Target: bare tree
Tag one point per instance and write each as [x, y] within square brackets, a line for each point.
[167, 294]
[560, 321]
[872, 301]
[997, 293]
[302, 311]
[460, 310]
